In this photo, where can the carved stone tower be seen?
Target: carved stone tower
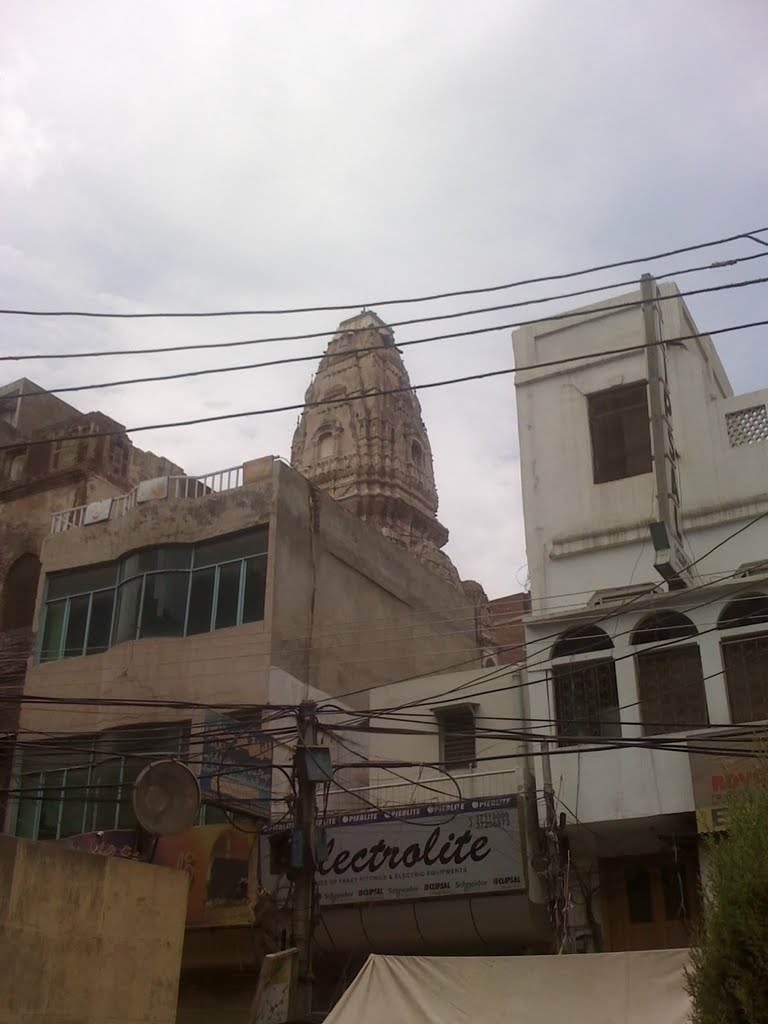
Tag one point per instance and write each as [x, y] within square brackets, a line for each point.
[372, 455]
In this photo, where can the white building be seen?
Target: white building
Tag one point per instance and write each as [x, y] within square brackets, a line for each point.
[643, 478]
[429, 772]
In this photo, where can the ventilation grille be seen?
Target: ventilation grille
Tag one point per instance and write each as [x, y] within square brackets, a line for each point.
[747, 426]
[457, 735]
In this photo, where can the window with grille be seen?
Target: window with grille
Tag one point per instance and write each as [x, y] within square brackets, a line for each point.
[586, 701]
[456, 726]
[671, 690]
[745, 661]
[620, 431]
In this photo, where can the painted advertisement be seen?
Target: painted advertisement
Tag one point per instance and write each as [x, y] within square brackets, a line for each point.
[236, 763]
[217, 859]
[424, 851]
[716, 776]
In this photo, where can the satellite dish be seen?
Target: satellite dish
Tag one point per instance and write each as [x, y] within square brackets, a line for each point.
[166, 798]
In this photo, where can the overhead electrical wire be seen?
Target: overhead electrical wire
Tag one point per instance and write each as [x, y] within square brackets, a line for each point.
[472, 332]
[432, 701]
[651, 742]
[336, 355]
[401, 634]
[394, 302]
[298, 407]
[610, 613]
[613, 611]
[96, 703]
[588, 744]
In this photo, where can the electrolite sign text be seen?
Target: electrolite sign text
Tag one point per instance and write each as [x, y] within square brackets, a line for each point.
[464, 848]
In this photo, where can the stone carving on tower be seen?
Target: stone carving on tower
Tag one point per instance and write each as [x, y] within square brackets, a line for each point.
[372, 455]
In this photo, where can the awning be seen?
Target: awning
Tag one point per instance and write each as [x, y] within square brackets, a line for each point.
[591, 988]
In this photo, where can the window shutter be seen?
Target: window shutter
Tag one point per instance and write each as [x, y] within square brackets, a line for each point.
[457, 736]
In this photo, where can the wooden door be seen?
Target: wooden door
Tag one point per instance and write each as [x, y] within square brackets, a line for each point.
[649, 902]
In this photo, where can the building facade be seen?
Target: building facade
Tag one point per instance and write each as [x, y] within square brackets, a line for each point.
[507, 616]
[186, 619]
[429, 832]
[50, 460]
[646, 524]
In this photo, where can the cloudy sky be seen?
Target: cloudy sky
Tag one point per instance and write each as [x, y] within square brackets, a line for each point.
[184, 155]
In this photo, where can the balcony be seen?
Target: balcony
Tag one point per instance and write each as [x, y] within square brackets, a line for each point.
[149, 490]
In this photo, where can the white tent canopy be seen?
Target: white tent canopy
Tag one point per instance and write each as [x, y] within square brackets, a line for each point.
[596, 988]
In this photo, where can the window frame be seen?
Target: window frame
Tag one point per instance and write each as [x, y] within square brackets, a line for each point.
[576, 663]
[657, 652]
[60, 656]
[601, 471]
[120, 580]
[740, 634]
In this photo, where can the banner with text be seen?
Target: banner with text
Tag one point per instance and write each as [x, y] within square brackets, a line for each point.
[718, 775]
[237, 764]
[469, 847]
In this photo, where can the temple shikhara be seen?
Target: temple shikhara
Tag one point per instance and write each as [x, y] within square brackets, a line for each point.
[372, 454]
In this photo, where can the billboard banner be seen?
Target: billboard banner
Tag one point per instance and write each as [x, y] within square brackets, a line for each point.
[470, 847]
[716, 776]
[217, 859]
[236, 764]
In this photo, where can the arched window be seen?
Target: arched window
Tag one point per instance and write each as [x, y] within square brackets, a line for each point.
[417, 454]
[326, 445]
[670, 680]
[662, 626]
[585, 693]
[19, 593]
[581, 640]
[747, 610]
[745, 658]
[16, 463]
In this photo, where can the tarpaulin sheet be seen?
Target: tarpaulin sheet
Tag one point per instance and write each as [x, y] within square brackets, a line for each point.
[591, 988]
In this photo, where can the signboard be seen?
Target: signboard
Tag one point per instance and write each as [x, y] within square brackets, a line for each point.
[97, 511]
[466, 848]
[237, 763]
[272, 1002]
[216, 858]
[716, 776]
[151, 490]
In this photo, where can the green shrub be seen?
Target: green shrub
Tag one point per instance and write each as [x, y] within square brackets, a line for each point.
[728, 976]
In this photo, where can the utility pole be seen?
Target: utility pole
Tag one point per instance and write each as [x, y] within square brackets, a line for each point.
[554, 870]
[303, 855]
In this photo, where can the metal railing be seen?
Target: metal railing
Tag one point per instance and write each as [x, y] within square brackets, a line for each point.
[123, 504]
[440, 789]
[67, 520]
[178, 487]
[211, 483]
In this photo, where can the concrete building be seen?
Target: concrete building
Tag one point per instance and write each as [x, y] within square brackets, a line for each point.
[430, 831]
[50, 460]
[175, 621]
[506, 620]
[646, 522]
[87, 939]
